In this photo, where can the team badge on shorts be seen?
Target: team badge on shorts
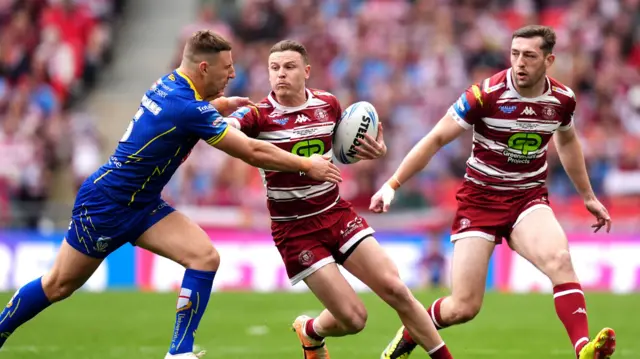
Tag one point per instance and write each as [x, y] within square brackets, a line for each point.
[465, 223]
[306, 257]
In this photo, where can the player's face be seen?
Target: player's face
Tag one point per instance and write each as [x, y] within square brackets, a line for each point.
[528, 61]
[287, 73]
[216, 73]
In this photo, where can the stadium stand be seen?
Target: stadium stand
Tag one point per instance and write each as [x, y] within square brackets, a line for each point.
[51, 54]
[409, 58]
[412, 59]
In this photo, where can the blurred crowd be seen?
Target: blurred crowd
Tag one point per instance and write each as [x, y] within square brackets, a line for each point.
[51, 53]
[412, 59]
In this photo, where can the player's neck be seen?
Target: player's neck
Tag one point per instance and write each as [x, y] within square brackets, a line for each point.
[533, 91]
[296, 100]
[188, 73]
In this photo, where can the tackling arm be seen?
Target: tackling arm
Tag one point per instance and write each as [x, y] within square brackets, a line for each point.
[572, 159]
[261, 153]
[445, 131]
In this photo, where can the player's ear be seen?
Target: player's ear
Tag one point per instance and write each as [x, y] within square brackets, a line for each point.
[307, 71]
[203, 67]
[550, 59]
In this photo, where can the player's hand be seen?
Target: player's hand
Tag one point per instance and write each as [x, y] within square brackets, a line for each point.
[235, 102]
[371, 149]
[323, 170]
[600, 212]
[381, 201]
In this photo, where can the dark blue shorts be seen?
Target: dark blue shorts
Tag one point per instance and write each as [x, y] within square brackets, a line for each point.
[100, 225]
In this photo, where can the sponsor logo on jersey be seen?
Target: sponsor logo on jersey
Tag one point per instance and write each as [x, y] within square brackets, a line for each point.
[206, 108]
[520, 147]
[508, 109]
[281, 121]
[150, 105]
[308, 148]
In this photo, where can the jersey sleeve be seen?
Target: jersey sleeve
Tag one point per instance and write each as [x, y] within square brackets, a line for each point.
[201, 119]
[468, 109]
[247, 120]
[567, 115]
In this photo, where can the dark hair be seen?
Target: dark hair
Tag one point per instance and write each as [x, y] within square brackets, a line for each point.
[546, 33]
[206, 42]
[291, 45]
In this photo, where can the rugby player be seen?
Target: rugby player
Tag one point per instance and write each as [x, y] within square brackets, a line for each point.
[121, 201]
[514, 114]
[315, 229]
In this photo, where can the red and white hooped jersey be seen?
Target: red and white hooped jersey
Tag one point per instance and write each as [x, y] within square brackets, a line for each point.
[303, 130]
[511, 133]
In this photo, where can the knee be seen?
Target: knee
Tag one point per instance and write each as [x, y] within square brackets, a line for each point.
[396, 293]
[57, 288]
[465, 310]
[558, 266]
[356, 319]
[205, 260]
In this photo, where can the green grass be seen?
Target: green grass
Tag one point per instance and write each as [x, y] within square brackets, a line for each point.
[250, 325]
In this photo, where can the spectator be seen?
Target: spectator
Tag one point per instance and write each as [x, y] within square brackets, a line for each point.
[412, 59]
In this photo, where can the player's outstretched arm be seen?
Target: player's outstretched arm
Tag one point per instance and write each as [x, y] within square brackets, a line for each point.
[572, 159]
[227, 105]
[445, 131]
[265, 155]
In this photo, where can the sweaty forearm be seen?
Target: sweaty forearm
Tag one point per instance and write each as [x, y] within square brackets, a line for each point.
[572, 160]
[267, 156]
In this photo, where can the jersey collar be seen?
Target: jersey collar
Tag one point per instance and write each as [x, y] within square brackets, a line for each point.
[286, 109]
[186, 78]
[512, 87]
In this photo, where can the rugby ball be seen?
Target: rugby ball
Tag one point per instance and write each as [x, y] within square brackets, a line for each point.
[358, 119]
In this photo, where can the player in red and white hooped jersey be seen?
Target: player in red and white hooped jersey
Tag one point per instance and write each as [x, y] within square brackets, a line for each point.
[513, 114]
[313, 228]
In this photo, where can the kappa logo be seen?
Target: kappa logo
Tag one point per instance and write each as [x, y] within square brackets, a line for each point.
[302, 119]
[580, 311]
[528, 111]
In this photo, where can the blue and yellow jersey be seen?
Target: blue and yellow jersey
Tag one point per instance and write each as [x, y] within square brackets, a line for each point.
[171, 119]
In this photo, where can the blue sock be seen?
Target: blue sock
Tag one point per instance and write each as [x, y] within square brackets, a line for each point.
[192, 302]
[25, 304]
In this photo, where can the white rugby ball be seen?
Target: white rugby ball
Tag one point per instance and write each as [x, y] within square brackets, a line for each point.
[358, 119]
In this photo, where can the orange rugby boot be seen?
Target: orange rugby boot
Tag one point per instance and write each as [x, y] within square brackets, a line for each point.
[311, 348]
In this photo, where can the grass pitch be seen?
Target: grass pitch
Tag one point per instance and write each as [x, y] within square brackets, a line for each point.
[251, 325]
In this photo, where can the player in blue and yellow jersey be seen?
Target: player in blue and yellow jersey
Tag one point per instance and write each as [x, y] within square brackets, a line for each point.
[121, 201]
